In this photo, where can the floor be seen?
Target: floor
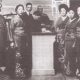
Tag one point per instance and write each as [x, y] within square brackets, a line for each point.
[55, 77]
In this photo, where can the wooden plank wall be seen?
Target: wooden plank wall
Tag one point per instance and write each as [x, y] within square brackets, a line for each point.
[47, 5]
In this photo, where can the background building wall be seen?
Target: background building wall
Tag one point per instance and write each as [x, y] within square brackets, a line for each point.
[50, 6]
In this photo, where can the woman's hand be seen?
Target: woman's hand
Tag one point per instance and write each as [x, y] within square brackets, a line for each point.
[18, 55]
[12, 44]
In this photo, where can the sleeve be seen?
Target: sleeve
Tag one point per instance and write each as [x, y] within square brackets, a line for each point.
[12, 25]
[46, 19]
[4, 30]
[56, 22]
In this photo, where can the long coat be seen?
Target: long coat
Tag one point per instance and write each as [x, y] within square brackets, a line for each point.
[29, 28]
[3, 31]
[77, 45]
[3, 40]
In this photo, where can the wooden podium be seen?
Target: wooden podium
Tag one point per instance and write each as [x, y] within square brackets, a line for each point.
[43, 54]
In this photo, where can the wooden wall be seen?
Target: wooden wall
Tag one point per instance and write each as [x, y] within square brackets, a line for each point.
[9, 5]
[48, 5]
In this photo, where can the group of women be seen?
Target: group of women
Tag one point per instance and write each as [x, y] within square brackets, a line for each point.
[67, 29]
[67, 50]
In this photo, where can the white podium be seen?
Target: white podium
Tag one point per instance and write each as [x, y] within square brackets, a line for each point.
[43, 54]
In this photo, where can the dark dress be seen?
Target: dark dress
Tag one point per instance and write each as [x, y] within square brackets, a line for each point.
[3, 41]
[29, 28]
[77, 45]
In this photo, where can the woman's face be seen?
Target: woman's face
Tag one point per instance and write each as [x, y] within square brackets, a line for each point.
[20, 10]
[71, 14]
[63, 12]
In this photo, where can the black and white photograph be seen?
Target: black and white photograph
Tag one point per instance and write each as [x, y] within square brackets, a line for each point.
[39, 39]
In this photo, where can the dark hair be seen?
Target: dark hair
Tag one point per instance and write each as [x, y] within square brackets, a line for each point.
[63, 6]
[28, 4]
[18, 6]
[37, 13]
[78, 6]
[71, 9]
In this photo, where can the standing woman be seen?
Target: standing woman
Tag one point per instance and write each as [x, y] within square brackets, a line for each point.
[62, 19]
[18, 39]
[70, 58]
[60, 28]
[3, 41]
[77, 33]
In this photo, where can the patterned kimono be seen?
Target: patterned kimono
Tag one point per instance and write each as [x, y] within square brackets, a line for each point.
[19, 39]
[60, 26]
[70, 59]
[60, 29]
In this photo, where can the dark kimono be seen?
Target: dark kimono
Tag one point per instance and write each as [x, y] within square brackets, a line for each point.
[70, 59]
[3, 41]
[77, 45]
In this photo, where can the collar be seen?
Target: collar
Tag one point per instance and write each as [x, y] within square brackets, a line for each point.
[78, 19]
[28, 13]
[71, 20]
[63, 18]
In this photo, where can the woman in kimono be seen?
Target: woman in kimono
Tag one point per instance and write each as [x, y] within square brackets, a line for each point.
[70, 59]
[77, 45]
[62, 19]
[18, 40]
[3, 42]
[60, 28]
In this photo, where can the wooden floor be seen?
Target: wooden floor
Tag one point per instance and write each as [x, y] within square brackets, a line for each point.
[55, 77]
